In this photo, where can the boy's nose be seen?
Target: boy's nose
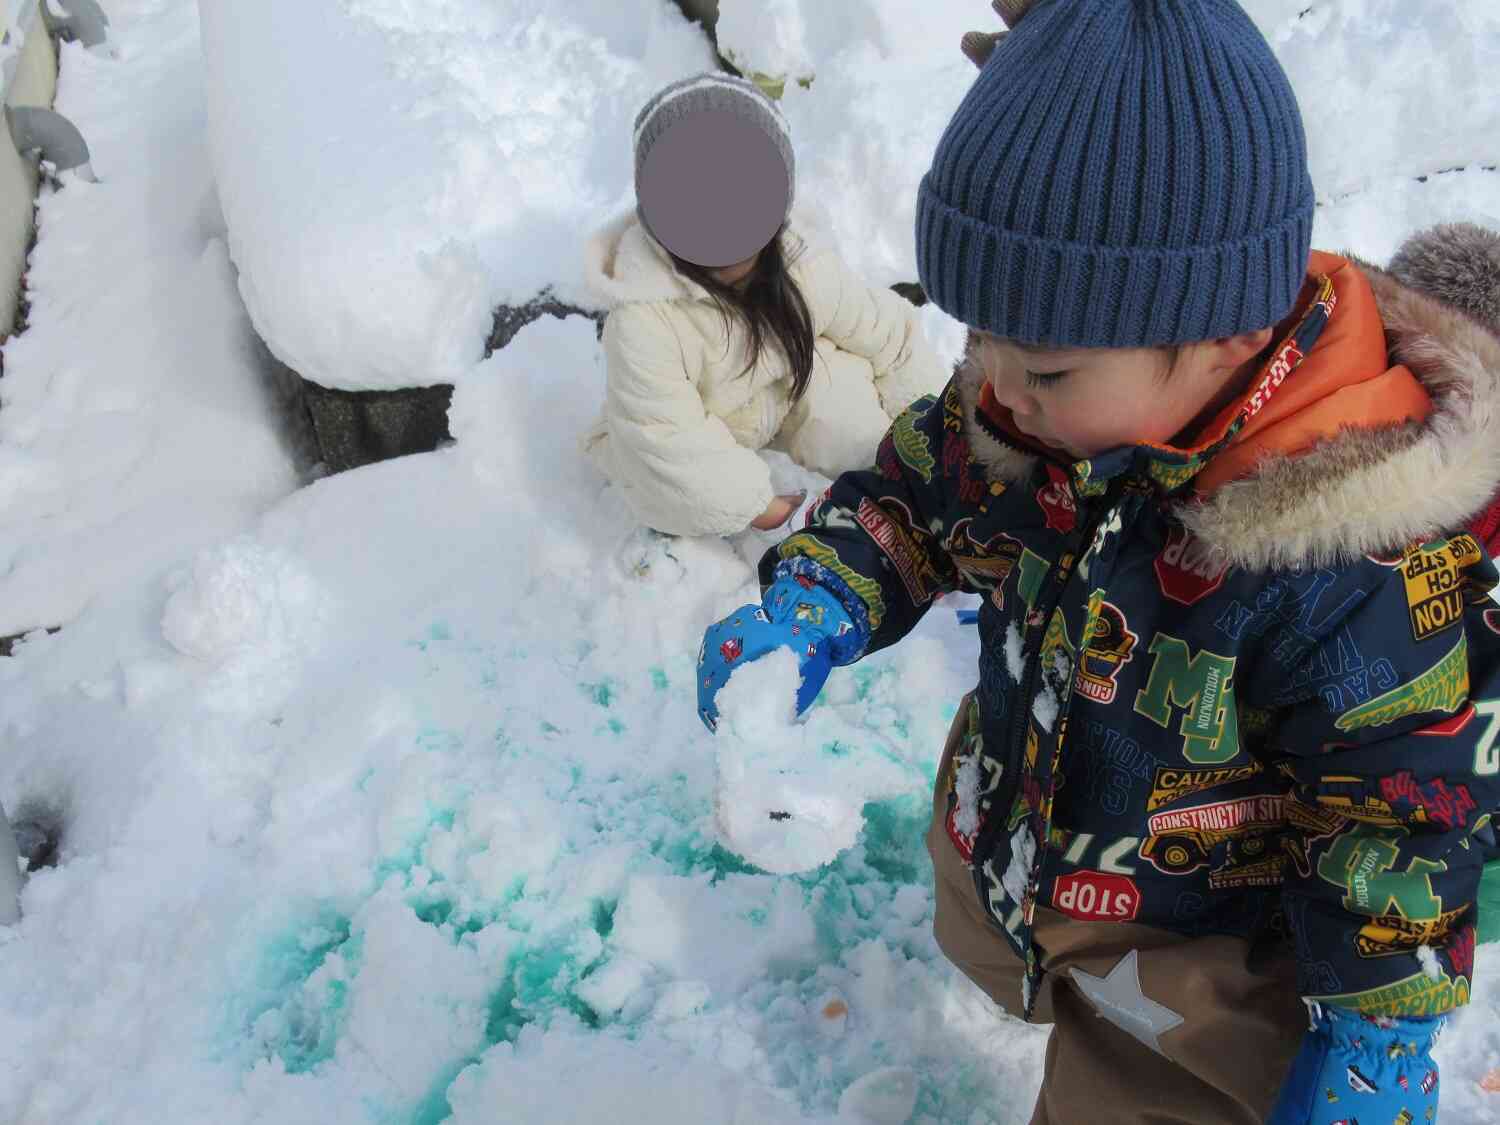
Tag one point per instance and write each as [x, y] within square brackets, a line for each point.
[1014, 398]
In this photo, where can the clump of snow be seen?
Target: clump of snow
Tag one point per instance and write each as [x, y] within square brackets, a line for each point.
[759, 703]
[966, 815]
[1427, 957]
[1017, 875]
[791, 795]
[1015, 652]
[241, 598]
[1045, 706]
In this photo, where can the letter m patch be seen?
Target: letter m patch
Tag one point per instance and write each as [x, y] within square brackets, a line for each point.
[1203, 687]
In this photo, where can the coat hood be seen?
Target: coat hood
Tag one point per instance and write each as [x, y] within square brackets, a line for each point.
[1392, 436]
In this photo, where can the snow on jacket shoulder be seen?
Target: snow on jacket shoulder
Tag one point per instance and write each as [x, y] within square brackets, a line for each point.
[683, 418]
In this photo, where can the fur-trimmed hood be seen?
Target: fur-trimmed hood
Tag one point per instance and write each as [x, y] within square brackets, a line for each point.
[1367, 489]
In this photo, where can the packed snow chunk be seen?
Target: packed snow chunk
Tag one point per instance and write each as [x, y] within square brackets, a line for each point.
[882, 1097]
[393, 172]
[620, 985]
[791, 796]
[242, 604]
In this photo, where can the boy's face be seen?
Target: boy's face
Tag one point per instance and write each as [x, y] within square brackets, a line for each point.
[1086, 400]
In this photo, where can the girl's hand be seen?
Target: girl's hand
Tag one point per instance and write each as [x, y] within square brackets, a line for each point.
[779, 511]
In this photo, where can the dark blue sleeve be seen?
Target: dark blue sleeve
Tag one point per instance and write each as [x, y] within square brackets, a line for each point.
[1388, 711]
[874, 537]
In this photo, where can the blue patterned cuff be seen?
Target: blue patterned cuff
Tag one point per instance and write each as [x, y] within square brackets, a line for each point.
[850, 646]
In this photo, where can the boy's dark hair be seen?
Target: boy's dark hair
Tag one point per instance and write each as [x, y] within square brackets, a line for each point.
[771, 306]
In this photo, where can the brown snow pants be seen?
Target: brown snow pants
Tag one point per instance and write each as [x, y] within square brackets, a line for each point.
[1222, 1063]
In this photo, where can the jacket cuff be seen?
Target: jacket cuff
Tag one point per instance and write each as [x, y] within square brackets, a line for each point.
[850, 646]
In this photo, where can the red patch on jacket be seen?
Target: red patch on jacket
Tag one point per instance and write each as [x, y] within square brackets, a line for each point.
[1056, 500]
[1094, 896]
[1188, 570]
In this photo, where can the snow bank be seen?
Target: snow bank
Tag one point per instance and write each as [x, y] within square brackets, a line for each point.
[136, 425]
[392, 171]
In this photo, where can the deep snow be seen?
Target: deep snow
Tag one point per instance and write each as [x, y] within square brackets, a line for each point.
[387, 798]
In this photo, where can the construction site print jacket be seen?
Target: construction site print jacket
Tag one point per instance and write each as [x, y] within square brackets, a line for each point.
[1251, 687]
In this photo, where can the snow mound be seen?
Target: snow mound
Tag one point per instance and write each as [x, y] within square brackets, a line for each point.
[391, 172]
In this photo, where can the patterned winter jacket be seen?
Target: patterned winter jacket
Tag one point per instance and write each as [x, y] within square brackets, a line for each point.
[1251, 687]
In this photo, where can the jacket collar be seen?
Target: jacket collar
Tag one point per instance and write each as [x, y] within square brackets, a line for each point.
[1381, 429]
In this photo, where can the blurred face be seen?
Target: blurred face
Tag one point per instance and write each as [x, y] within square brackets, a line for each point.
[1083, 401]
[733, 275]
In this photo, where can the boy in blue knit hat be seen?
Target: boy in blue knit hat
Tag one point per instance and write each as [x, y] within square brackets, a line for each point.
[1218, 804]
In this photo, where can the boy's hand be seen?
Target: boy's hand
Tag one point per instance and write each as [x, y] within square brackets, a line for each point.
[795, 614]
[1361, 1068]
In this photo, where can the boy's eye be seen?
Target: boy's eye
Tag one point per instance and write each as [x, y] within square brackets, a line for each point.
[1043, 378]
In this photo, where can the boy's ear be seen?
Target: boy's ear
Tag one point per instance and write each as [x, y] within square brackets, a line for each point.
[977, 46]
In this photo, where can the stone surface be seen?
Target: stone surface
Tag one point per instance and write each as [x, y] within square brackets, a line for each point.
[357, 428]
[354, 428]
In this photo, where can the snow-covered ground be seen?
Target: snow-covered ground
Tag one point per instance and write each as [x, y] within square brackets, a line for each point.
[386, 796]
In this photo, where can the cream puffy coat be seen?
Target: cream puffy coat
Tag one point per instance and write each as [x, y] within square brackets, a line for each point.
[682, 418]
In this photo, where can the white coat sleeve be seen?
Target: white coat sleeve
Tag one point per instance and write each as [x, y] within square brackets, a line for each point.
[875, 323]
[681, 470]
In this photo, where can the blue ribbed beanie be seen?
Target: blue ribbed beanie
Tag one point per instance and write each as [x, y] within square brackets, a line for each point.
[1122, 173]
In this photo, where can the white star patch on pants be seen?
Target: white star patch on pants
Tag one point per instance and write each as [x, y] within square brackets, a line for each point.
[1120, 1000]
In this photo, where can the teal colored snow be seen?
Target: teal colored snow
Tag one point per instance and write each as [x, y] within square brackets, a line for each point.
[387, 797]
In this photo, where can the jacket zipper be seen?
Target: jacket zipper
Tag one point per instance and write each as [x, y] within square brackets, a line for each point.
[1057, 582]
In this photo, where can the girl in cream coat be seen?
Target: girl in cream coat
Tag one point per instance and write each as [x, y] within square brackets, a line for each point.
[690, 398]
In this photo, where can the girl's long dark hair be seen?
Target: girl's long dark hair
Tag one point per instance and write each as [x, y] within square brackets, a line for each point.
[771, 307]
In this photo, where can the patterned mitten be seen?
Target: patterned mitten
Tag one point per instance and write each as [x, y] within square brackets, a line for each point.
[1352, 1068]
[797, 614]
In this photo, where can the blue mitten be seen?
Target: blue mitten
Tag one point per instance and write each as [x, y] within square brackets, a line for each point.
[797, 614]
[1354, 1068]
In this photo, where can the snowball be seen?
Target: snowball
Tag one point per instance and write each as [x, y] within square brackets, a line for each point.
[791, 795]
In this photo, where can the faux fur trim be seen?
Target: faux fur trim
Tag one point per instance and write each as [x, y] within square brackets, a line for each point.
[1375, 490]
[1459, 264]
[1000, 462]
[623, 264]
